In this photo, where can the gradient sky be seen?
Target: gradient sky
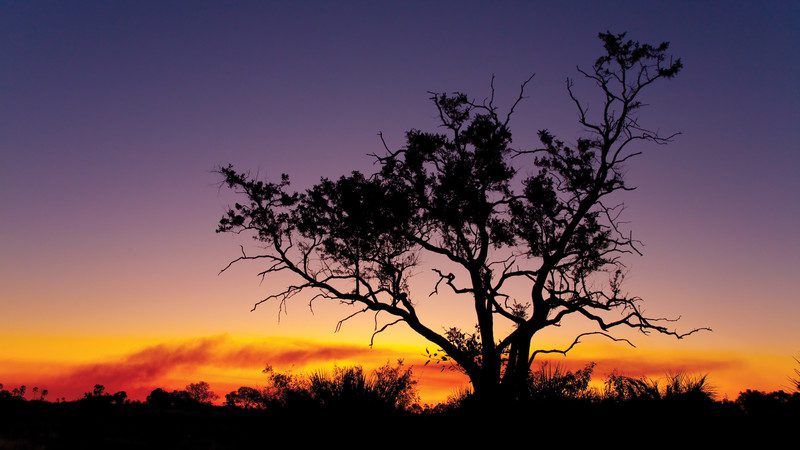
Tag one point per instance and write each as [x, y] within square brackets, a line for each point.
[113, 114]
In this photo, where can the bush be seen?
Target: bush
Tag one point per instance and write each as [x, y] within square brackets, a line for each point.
[247, 398]
[387, 388]
[160, 398]
[19, 393]
[680, 386]
[768, 404]
[551, 382]
[390, 387]
[99, 396]
[201, 392]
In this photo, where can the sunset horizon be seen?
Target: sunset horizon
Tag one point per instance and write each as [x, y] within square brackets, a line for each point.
[196, 191]
[137, 365]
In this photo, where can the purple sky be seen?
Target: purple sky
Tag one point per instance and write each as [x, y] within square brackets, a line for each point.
[113, 114]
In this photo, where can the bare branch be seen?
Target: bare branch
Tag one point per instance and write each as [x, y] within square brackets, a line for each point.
[382, 329]
[448, 278]
[350, 316]
[576, 342]
[244, 257]
[520, 97]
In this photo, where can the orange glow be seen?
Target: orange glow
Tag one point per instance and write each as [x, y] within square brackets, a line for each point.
[70, 366]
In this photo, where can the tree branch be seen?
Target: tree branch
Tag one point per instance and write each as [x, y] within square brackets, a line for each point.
[576, 342]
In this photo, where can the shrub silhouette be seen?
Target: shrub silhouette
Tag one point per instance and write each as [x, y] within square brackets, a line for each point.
[247, 398]
[18, 393]
[548, 383]
[201, 392]
[679, 386]
[164, 399]
[552, 382]
[345, 385]
[395, 385]
[99, 396]
[769, 404]
[286, 389]
[384, 397]
[6, 395]
[687, 388]
[388, 388]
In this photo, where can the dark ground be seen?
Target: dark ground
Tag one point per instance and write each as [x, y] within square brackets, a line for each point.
[43, 425]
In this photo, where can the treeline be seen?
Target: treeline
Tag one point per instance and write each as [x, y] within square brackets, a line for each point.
[367, 407]
[391, 389]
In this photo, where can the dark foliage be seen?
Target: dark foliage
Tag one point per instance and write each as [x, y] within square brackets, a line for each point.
[99, 396]
[551, 382]
[389, 388]
[160, 398]
[201, 392]
[19, 394]
[769, 404]
[679, 387]
[247, 398]
[384, 400]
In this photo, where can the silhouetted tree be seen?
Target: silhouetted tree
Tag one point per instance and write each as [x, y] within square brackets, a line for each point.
[247, 398]
[187, 399]
[15, 394]
[37, 394]
[19, 392]
[201, 392]
[99, 396]
[769, 404]
[97, 391]
[456, 195]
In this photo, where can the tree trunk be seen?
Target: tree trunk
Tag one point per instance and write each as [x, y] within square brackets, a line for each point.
[517, 374]
[488, 379]
[486, 383]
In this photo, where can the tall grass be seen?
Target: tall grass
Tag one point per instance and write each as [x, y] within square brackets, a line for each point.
[553, 382]
[387, 388]
[678, 386]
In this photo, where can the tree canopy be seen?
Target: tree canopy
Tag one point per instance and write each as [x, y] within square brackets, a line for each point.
[459, 193]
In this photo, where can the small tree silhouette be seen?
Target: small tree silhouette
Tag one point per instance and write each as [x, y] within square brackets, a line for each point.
[678, 387]
[247, 398]
[99, 396]
[19, 392]
[456, 196]
[201, 392]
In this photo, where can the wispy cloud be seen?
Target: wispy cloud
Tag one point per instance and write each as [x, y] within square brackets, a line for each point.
[151, 366]
[222, 360]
